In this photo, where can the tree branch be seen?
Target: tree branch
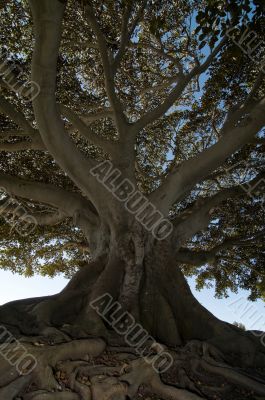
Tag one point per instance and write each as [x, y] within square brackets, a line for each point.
[86, 131]
[107, 113]
[127, 32]
[67, 202]
[182, 179]
[200, 68]
[11, 133]
[175, 94]
[125, 36]
[200, 215]
[34, 144]
[161, 52]
[198, 258]
[107, 61]
[49, 219]
[9, 110]
[159, 111]
[164, 85]
[40, 218]
[48, 16]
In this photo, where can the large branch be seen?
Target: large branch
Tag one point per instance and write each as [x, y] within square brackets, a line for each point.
[7, 134]
[23, 145]
[40, 218]
[200, 215]
[198, 258]
[67, 202]
[183, 178]
[48, 16]
[48, 218]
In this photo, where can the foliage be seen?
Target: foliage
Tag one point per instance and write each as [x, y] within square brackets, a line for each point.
[166, 34]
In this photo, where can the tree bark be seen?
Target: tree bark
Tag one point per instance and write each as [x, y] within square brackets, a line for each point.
[162, 287]
[165, 308]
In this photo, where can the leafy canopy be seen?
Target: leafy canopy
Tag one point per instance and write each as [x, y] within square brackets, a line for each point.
[168, 37]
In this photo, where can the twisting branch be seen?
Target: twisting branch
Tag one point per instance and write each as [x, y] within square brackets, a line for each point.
[200, 68]
[40, 218]
[159, 111]
[66, 202]
[255, 88]
[240, 110]
[201, 213]
[182, 179]
[197, 258]
[49, 219]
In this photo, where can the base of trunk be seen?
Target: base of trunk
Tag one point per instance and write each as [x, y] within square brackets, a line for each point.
[79, 355]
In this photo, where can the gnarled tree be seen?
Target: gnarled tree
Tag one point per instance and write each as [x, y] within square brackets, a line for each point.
[140, 160]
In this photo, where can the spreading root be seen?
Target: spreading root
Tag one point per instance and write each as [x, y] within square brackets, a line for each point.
[87, 369]
[78, 357]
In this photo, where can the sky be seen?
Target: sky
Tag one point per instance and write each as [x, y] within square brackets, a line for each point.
[235, 308]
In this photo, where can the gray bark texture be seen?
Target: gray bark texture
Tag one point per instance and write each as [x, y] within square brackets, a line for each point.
[79, 354]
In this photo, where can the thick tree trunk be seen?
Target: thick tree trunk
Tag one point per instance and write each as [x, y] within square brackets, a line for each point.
[157, 295]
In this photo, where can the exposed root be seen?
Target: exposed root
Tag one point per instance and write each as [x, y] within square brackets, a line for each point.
[47, 358]
[141, 372]
[41, 395]
[231, 375]
[82, 370]
[204, 349]
[73, 365]
[108, 388]
[14, 388]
